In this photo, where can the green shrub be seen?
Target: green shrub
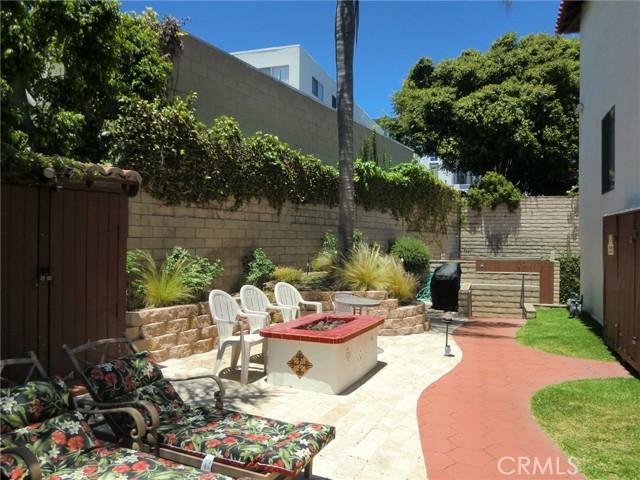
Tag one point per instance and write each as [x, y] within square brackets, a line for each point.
[287, 274]
[569, 276]
[402, 284]
[414, 253]
[364, 269]
[325, 259]
[135, 290]
[161, 287]
[257, 267]
[199, 272]
[493, 189]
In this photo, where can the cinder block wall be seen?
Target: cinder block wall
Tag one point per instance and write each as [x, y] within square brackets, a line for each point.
[541, 225]
[290, 238]
[228, 86]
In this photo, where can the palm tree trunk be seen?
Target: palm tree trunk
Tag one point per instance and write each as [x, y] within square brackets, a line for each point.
[345, 34]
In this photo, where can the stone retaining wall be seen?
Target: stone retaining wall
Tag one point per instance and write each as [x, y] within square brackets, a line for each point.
[184, 330]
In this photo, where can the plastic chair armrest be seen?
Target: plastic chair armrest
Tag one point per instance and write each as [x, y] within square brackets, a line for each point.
[317, 305]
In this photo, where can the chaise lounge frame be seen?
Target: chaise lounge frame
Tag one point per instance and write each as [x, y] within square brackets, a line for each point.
[107, 350]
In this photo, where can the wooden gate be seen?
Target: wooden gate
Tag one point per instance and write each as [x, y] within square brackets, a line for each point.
[621, 252]
[63, 268]
[544, 267]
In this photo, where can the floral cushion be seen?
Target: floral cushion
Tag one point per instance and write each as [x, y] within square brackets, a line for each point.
[31, 403]
[56, 442]
[246, 440]
[123, 463]
[13, 467]
[124, 375]
[161, 394]
[132, 378]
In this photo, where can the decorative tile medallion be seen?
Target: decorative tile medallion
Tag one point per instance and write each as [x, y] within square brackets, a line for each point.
[299, 364]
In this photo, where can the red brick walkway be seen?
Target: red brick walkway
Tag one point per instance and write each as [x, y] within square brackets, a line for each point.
[475, 422]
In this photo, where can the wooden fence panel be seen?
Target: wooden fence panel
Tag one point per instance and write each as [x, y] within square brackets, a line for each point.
[19, 270]
[621, 252]
[610, 256]
[543, 267]
[75, 238]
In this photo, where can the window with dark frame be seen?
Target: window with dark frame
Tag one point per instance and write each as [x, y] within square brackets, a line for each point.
[334, 102]
[317, 89]
[609, 151]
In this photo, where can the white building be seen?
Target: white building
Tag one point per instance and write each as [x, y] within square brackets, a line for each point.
[295, 67]
[609, 165]
[458, 180]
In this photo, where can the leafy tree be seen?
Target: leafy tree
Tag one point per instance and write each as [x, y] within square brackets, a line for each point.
[66, 64]
[345, 35]
[510, 110]
[493, 189]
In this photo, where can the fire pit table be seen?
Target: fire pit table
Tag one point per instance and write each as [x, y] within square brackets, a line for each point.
[322, 352]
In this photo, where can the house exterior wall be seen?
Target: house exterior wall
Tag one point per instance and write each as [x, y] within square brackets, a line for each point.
[610, 76]
[229, 86]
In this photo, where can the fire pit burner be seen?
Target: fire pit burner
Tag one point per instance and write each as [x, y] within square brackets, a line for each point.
[323, 325]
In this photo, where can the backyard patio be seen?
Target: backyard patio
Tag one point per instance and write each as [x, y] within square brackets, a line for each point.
[416, 408]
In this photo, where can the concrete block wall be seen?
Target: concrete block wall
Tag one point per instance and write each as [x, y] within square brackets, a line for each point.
[290, 238]
[228, 86]
[540, 226]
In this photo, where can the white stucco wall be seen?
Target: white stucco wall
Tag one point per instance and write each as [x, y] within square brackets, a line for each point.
[272, 57]
[610, 76]
[302, 67]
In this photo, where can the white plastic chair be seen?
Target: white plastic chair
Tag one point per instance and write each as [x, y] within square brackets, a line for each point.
[224, 311]
[288, 296]
[254, 301]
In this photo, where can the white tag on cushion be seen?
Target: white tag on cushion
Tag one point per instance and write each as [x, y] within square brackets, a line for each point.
[207, 463]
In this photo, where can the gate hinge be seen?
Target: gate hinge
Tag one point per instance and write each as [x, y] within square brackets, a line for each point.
[44, 274]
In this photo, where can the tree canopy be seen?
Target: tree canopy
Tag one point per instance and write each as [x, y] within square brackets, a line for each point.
[510, 110]
[66, 65]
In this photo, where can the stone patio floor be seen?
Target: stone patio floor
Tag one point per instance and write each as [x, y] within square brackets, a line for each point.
[419, 414]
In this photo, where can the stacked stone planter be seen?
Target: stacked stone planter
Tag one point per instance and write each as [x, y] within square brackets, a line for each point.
[184, 330]
[173, 332]
[398, 320]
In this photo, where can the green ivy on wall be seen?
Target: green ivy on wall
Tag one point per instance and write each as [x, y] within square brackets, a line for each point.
[184, 162]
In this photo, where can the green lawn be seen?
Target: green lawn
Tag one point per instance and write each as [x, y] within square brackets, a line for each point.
[553, 331]
[596, 423]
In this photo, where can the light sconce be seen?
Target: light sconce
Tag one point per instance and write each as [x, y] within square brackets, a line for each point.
[579, 108]
[50, 174]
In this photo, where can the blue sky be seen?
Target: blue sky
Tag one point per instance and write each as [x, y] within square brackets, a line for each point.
[392, 35]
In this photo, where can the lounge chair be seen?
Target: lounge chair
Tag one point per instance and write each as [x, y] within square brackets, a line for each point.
[236, 443]
[44, 435]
